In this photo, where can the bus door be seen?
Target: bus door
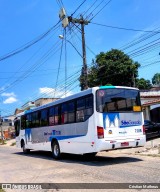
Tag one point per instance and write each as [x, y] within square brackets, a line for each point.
[17, 131]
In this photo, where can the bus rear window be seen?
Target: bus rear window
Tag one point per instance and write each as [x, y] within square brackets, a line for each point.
[117, 100]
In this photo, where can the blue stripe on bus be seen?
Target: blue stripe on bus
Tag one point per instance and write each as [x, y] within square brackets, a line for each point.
[123, 126]
[64, 137]
[107, 87]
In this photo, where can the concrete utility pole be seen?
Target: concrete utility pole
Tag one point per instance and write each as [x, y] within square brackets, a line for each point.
[133, 79]
[82, 22]
[84, 69]
[1, 129]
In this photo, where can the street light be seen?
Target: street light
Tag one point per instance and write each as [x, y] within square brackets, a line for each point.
[62, 37]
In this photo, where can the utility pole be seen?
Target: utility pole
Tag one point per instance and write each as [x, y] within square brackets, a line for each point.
[84, 69]
[82, 22]
[133, 80]
[1, 129]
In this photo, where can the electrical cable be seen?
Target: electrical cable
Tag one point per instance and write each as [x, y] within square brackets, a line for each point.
[59, 63]
[28, 45]
[78, 7]
[123, 28]
[100, 10]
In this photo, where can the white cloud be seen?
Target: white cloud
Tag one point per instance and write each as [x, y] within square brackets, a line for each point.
[50, 92]
[8, 94]
[10, 100]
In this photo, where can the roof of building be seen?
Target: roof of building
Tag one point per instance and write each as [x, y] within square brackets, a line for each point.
[149, 94]
[153, 102]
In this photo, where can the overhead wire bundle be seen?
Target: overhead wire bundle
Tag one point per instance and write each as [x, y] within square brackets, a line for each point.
[49, 53]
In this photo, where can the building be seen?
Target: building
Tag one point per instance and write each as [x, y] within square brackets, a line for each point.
[43, 101]
[28, 105]
[8, 126]
[18, 111]
[151, 104]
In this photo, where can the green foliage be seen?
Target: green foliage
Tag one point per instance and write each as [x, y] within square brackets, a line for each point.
[143, 84]
[14, 143]
[113, 67]
[156, 79]
[1, 190]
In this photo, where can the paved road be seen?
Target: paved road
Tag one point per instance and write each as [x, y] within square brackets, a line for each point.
[39, 167]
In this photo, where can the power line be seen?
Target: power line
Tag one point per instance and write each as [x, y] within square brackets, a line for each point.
[78, 7]
[89, 8]
[94, 8]
[70, 80]
[123, 28]
[40, 62]
[145, 50]
[86, 44]
[27, 45]
[150, 64]
[31, 58]
[59, 63]
[100, 10]
[138, 40]
[132, 52]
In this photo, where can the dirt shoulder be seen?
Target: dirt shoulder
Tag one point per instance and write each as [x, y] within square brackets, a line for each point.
[151, 148]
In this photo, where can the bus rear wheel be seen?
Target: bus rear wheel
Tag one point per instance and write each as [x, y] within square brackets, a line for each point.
[56, 150]
[25, 151]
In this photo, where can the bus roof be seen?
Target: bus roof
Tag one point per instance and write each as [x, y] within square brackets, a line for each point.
[80, 94]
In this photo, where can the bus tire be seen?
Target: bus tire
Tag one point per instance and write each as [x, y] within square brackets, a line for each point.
[25, 151]
[56, 153]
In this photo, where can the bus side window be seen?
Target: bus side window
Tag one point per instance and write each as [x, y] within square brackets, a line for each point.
[80, 110]
[44, 117]
[57, 115]
[23, 122]
[28, 121]
[64, 113]
[51, 116]
[35, 119]
[88, 107]
[71, 112]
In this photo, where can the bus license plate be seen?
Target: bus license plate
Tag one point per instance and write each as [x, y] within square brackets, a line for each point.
[124, 144]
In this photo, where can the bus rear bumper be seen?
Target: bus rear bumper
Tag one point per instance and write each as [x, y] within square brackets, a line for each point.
[106, 144]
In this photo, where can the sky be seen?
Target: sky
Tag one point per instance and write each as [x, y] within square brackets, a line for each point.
[40, 70]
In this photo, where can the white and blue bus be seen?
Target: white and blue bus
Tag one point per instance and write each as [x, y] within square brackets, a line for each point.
[98, 119]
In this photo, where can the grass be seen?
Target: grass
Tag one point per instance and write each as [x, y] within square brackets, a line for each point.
[2, 190]
[4, 142]
[14, 143]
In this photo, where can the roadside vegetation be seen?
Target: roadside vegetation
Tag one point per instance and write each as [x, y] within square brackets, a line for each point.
[2, 142]
[116, 68]
[2, 190]
[13, 144]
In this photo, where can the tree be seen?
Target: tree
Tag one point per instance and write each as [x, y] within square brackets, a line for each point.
[143, 84]
[156, 79]
[113, 67]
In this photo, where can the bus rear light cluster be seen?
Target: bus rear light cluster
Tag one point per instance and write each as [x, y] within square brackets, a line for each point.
[100, 132]
[144, 132]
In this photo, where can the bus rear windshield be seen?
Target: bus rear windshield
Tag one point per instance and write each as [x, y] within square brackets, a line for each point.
[117, 100]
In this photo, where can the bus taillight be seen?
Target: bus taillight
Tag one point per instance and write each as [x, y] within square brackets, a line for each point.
[144, 132]
[100, 132]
